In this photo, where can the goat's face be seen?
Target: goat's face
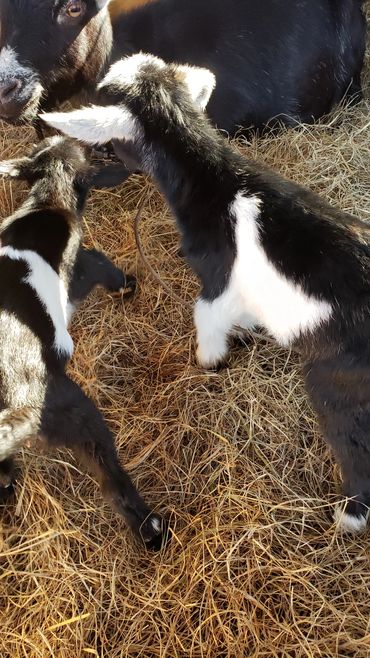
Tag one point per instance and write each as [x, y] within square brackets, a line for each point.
[41, 42]
[58, 166]
[140, 98]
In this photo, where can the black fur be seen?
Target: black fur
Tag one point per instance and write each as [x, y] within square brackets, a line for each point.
[36, 395]
[308, 241]
[293, 61]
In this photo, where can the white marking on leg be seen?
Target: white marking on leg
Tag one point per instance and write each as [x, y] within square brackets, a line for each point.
[156, 525]
[214, 322]
[349, 523]
[276, 303]
[51, 292]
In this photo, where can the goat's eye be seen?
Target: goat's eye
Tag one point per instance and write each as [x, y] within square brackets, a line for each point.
[74, 9]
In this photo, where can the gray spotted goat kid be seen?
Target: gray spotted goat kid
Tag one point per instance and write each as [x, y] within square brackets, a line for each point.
[44, 272]
[267, 252]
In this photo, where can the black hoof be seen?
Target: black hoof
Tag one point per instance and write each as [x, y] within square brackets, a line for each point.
[154, 532]
[129, 287]
[221, 365]
[6, 493]
[7, 479]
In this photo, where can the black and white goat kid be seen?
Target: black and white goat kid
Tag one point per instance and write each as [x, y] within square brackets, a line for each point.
[43, 272]
[267, 252]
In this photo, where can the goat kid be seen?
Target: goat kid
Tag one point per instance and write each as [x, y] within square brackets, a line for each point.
[267, 251]
[44, 272]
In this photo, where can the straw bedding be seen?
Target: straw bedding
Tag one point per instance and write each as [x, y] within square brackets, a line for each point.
[255, 566]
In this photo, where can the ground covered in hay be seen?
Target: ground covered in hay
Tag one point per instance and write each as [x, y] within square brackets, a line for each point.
[255, 566]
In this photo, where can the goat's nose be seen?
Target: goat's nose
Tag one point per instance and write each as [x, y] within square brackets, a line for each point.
[8, 91]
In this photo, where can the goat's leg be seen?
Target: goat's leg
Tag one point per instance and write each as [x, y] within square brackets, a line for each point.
[215, 322]
[122, 163]
[109, 175]
[340, 394]
[70, 419]
[7, 478]
[93, 268]
[16, 427]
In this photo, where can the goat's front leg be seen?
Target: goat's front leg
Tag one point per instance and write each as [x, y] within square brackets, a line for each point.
[93, 268]
[215, 321]
[70, 419]
[213, 325]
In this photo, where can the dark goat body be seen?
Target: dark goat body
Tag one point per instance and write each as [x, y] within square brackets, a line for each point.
[293, 60]
[267, 251]
[44, 272]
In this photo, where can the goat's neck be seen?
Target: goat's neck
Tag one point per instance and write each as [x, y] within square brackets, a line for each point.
[51, 192]
[194, 172]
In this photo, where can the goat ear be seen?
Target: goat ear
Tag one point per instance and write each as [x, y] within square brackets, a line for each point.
[200, 83]
[100, 4]
[17, 168]
[96, 124]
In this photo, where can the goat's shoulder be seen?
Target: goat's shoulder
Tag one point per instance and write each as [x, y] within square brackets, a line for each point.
[45, 231]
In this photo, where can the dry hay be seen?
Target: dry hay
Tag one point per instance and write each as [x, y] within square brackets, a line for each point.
[255, 566]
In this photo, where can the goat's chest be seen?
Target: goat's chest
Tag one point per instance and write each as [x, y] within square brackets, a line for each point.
[49, 289]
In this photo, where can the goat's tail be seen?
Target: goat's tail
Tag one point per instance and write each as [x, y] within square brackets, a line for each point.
[16, 427]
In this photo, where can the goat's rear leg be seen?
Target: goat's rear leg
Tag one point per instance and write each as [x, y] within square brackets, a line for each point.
[70, 419]
[340, 393]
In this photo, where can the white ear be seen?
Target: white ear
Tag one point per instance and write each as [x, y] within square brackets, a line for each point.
[200, 83]
[100, 4]
[96, 124]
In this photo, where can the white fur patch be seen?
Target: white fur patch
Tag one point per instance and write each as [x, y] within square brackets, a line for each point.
[51, 292]
[9, 168]
[200, 83]
[126, 70]
[257, 294]
[95, 124]
[156, 525]
[10, 64]
[348, 522]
